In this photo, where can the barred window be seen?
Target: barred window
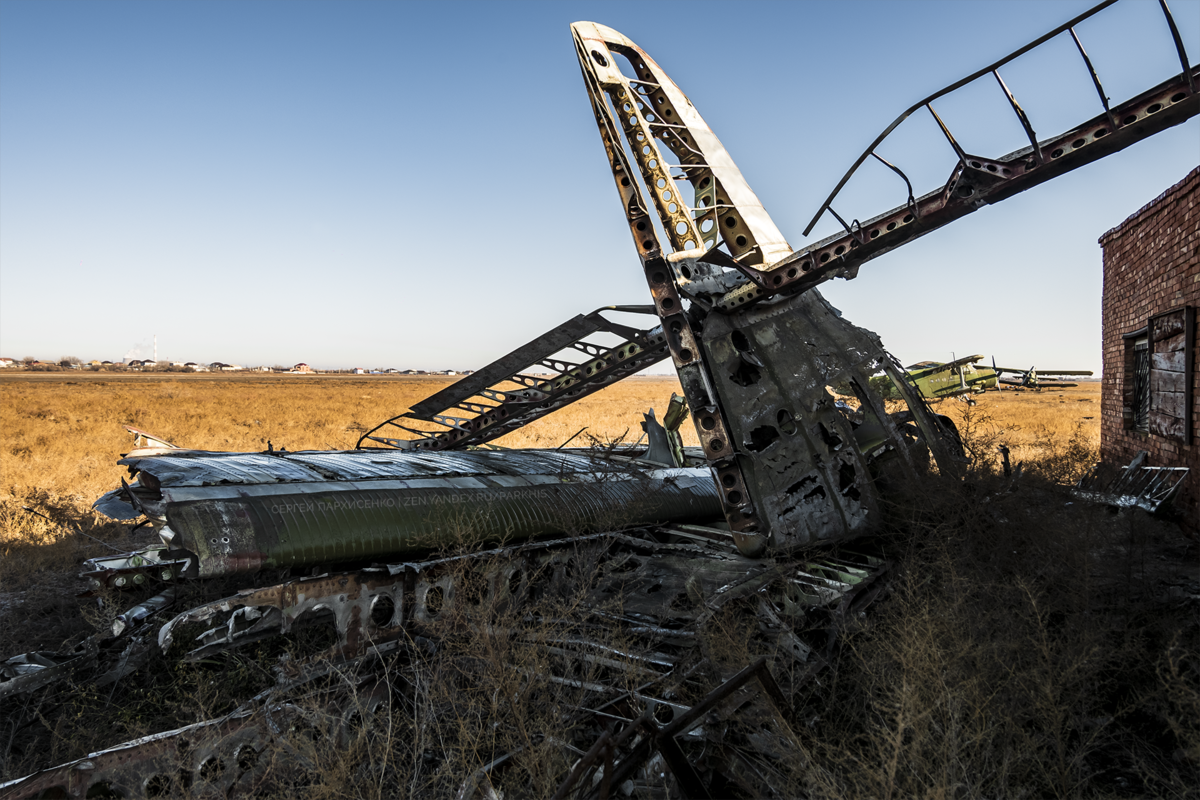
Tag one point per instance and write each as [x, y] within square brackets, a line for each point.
[1140, 380]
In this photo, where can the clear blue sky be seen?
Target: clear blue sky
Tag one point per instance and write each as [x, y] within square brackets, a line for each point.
[422, 186]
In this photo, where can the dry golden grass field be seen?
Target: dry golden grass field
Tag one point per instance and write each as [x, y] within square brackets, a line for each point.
[1030, 645]
[61, 433]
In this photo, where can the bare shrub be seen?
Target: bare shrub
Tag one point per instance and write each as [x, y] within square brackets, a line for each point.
[1061, 461]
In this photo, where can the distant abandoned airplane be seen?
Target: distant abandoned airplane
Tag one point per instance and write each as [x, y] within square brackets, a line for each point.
[937, 380]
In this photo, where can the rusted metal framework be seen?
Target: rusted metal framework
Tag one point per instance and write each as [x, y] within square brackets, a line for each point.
[659, 586]
[503, 397]
[794, 468]
[753, 343]
[978, 180]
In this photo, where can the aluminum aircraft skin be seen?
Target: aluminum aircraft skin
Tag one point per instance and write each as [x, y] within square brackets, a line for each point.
[782, 464]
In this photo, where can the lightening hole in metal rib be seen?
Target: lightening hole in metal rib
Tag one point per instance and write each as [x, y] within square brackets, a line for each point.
[211, 769]
[435, 600]
[247, 758]
[383, 608]
[159, 786]
[599, 59]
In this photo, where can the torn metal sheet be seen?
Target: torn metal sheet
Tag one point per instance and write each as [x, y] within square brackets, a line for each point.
[1131, 486]
[101, 658]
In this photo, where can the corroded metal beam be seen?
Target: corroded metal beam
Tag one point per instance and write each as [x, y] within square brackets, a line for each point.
[977, 181]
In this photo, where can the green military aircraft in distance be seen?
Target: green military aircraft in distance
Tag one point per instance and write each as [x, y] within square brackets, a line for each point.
[962, 377]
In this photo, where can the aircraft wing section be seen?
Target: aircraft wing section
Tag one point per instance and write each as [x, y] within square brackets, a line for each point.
[961, 362]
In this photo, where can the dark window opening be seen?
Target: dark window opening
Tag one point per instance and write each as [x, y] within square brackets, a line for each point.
[1140, 399]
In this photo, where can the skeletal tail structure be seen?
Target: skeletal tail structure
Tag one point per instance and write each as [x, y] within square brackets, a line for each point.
[794, 465]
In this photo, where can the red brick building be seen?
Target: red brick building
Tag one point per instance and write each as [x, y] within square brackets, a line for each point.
[1151, 291]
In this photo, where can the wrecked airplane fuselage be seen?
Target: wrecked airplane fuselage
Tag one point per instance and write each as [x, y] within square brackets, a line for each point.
[222, 513]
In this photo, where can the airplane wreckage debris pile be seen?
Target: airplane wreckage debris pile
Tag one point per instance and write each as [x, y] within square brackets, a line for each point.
[609, 563]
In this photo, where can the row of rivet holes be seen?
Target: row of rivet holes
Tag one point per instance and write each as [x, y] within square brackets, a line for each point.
[632, 124]
[667, 300]
[712, 430]
[1099, 133]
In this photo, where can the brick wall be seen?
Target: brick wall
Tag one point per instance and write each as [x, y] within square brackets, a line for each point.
[1151, 266]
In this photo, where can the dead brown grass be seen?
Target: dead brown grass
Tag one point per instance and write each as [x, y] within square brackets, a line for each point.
[1030, 648]
[1036, 426]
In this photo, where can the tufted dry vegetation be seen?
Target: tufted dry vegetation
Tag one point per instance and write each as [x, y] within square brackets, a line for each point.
[1030, 645]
